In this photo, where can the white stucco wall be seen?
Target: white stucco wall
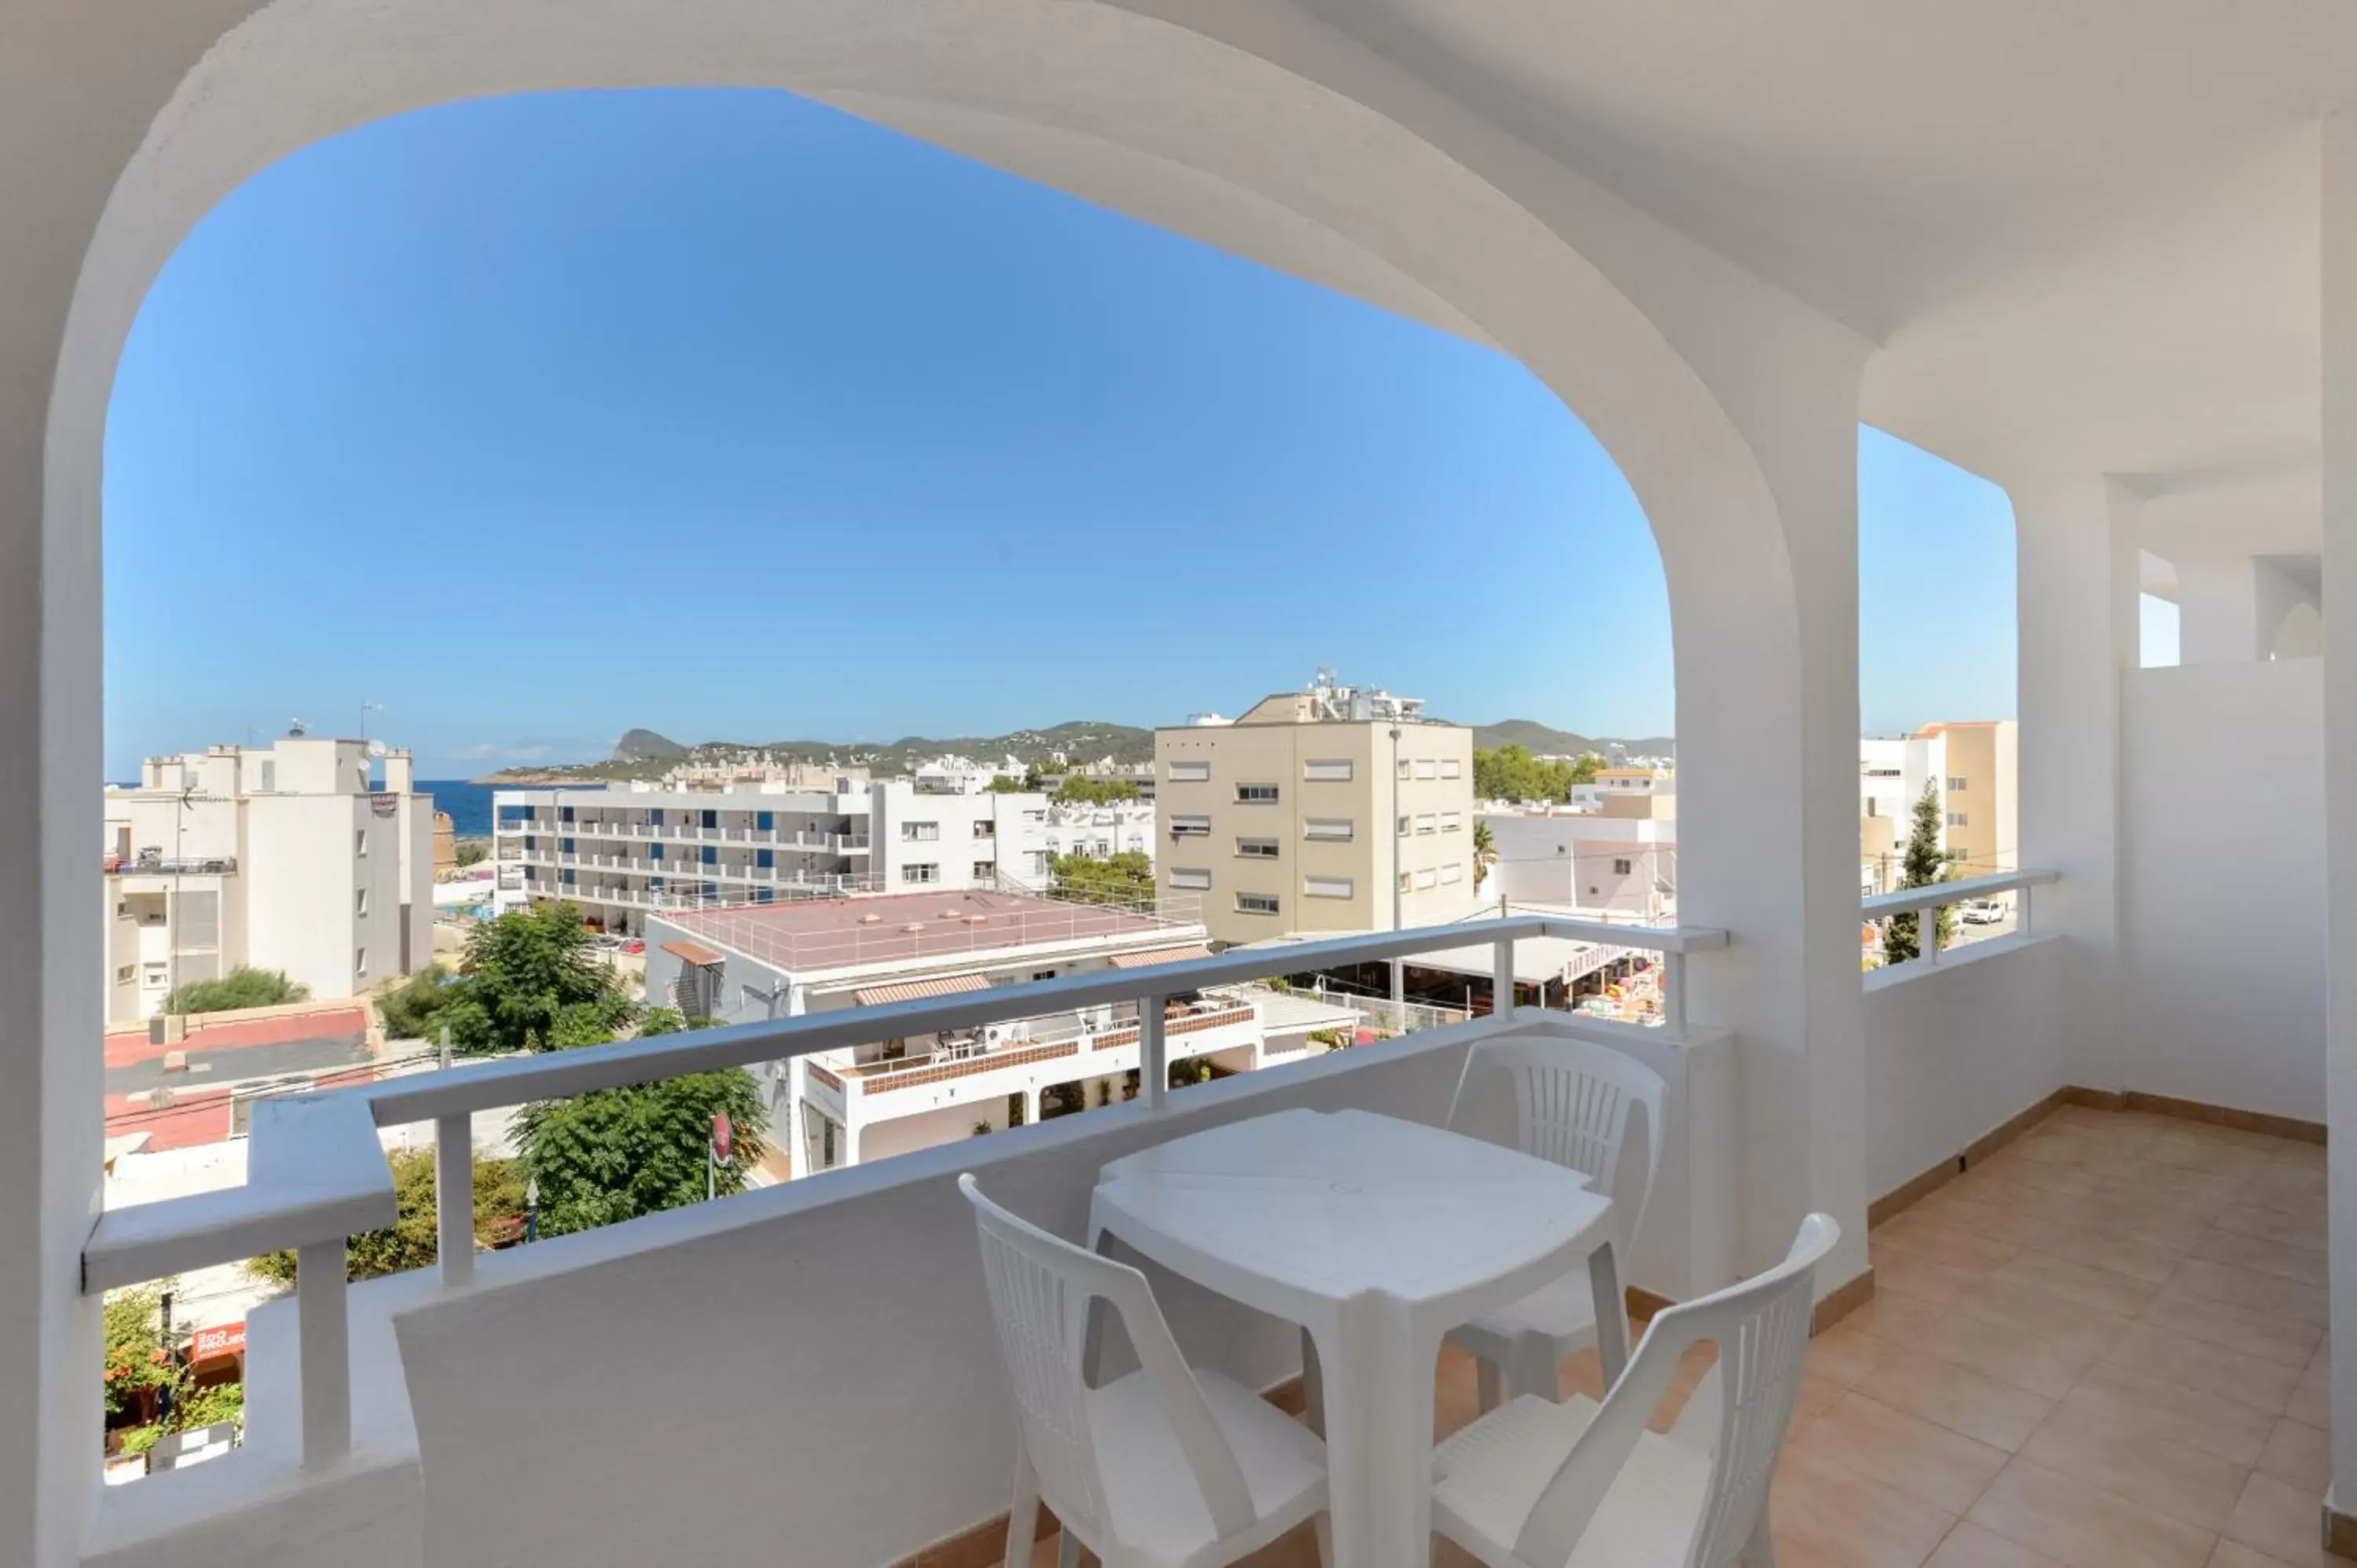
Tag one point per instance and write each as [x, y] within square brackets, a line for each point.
[1955, 1051]
[2223, 891]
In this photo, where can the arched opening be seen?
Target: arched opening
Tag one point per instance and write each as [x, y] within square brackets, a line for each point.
[1110, 106]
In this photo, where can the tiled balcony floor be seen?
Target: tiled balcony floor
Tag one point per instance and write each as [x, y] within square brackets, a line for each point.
[2104, 1346]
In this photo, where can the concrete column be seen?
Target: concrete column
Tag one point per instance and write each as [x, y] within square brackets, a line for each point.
[2077, 564]
[2338, 206]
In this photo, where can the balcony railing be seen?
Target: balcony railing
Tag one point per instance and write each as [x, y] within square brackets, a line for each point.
[1927, 902]
[316, 1172]
[184, 865]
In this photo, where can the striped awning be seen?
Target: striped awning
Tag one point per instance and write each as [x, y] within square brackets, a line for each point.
[918, 990]
[692, 952]
[1159, 955]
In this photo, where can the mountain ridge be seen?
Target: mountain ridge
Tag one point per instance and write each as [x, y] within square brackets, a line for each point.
[646, 754]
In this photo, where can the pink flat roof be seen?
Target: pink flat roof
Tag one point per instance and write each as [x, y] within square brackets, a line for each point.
[824, 933]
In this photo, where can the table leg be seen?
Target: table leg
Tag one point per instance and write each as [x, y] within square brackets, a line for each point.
[1612, 1314]
[1093, 1337]
[1313, 1385]
[1379, 1392]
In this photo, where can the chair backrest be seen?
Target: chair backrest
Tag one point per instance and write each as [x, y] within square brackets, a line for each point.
[1573, 1100]
[1741, 1411]
[1041, 1290]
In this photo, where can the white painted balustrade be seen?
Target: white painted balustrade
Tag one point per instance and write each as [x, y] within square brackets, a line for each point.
[316, 1172]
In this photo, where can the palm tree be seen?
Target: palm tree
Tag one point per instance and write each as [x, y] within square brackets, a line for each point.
[1485, 851]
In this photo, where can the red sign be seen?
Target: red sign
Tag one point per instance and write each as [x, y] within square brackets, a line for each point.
[723, 1137]
[225, 1340]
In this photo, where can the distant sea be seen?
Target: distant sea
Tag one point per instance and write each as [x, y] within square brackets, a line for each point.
[468, 804]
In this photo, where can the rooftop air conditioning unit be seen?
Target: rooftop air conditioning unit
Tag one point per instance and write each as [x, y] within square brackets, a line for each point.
[871, 920]
[914, 927]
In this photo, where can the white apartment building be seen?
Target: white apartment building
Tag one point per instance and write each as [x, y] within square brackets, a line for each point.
[1612, 783]
[1620, 859]
[900, 1093]
[1892, 774]
[292, 857]
[1332, 808]
[625, 850]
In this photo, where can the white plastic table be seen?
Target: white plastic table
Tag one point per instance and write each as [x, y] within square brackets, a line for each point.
[1377, 1236]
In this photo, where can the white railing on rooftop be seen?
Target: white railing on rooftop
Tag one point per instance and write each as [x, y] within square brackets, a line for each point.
[1925, 903]
[316, 1173]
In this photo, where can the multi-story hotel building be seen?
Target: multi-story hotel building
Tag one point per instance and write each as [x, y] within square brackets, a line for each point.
[292, 857]
[624, 851]
[1980, 788]
[1334, 809]
[893, 1095]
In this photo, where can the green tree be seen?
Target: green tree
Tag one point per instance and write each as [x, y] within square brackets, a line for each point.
[1511, 773]
[1005, 784]
[525, 971]
[1485, 849]
[241, 987]
[1584, 771]
[410, 1011]
[137, 1361]
[409, 1243]
[1078, 791]
[1123, 878]
[617, 1154]
[1923, 863]
[473, 852]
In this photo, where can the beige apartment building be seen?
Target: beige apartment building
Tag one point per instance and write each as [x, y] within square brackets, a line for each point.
[1335, 808]
[1980, 790]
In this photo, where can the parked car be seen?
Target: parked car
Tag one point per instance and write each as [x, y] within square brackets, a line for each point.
[634, 945]
[1983, 912]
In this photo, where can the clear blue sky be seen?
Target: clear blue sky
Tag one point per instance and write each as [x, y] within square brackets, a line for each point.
[721, 412]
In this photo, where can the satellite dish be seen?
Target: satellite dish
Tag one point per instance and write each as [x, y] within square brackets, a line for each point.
[295, 727]
[376, 748]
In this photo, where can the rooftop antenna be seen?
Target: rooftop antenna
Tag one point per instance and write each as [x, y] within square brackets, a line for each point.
[366, 709]
[295, 728]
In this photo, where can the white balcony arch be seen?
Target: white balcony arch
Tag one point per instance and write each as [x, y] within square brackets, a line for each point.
[1730, 407]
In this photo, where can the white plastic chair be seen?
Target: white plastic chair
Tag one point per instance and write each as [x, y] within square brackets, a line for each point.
[1114, 1462]
[1573, 1105]
[1580, 1485]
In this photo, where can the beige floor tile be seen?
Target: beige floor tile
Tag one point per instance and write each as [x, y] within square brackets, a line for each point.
[1823, 1511]
[1970, 1546]
[2254, 1291]
[2081, 1282]
[1895, 1319]
[1941, 1243]
[2311, 1402]
[1960, 1400]
[1911, 1274]
[2240, 1329]
[2169, 1478]
[1985, 1211]
[2261, 1256]
[2151, 1262]
[2037, 1310]
[2269, 1225]
[2197, 1364]
[2004, 1352]
[1924, 1460]
[1844, 1355]
[2212, 1423]
[2282, 1186]
[2292, 1152]
[2234, 1554]
[2193, 1150]
[2298, 1455]
[2081, 1524]
[2281, 1520]
[2067, 1180]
